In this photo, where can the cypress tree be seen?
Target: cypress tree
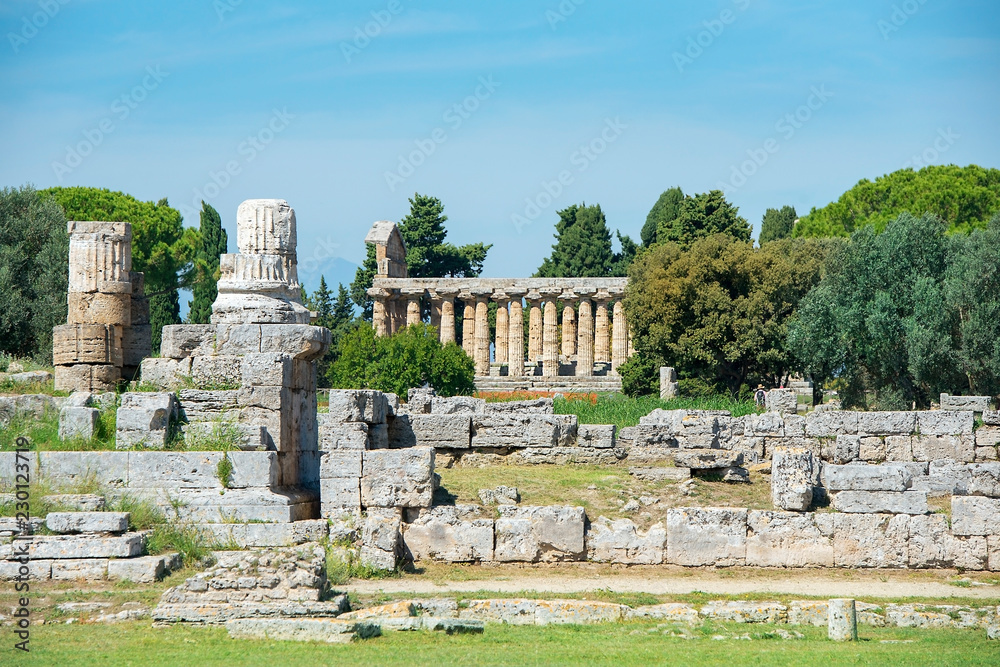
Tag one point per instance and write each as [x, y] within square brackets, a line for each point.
[214, 242]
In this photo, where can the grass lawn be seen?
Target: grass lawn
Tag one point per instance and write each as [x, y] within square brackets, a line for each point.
[602, 490]
[623, 411]
[647, 643]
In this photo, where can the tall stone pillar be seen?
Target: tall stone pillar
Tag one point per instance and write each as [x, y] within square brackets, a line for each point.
[585, 339]
[447, 330]
[435, 300]
[482, 341]
[380, 313]
[515, 337]
[413, 295]
[568, 324]
[619, 337]
[534, 300]
[602, 348]
[502, 335]
[550, 334]
[468, 324]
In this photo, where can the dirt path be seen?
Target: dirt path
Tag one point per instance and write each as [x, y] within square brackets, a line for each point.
[868, 584]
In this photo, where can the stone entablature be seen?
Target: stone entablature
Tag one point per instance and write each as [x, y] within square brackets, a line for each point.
[590, 329]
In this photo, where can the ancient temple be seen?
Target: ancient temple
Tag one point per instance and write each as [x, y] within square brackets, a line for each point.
[577, 332]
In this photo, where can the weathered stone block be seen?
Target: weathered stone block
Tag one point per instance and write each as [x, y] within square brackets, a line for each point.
[707, 459]
[746, 612]
[975, 515]
[793, 471]
[831, 423]
[165, 373]
[188, 340]
[83, 546]
[339, 494]
[668, 611]
[429, 430]
[442, 534]
[932, 545]
[217, 371]
[275, 370]
[898, 448]
[767, 424]
[984, 479]
[872, 449]
[450, 405]
[540, 534]
[932, 447]
[145, 419]
[886, 423]
[620, 541]
[87, 377]
[706, 536]
[340, 463]
[944, 422]
[78, 423]
[846, 448]
[782, 401]
[358, 405]
[944, 478]
[973, 403]
[237, 339]
[987, 436]
[342, 435]
[87, 522]
[871, 540]
[500, 430]
[885, 502]
[90, 569]
[66, 468]
[398, 477]
[144, 570]
[863, 478]
[301, 341]
[789, 539]
[378, 436]
[596, 436]
[86, 344]
[326, 630]
[99, 308]
[137, 342]
[380, 539]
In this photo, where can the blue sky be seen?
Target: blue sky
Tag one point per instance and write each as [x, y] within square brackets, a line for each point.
[347, 110]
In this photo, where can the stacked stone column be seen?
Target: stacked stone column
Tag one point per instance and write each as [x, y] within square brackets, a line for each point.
[515, 335]
[481, 354]
[380, 313]
[447, 326]
[502, 333]
[88, 350]
[568, 324]
[534, 300]
[619, 337]
[585, 342]
[602, 348]
[468, 323]
[413, 296]
[550, 334]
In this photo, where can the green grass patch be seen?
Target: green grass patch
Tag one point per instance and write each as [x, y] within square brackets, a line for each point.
[616, 644]
[624, 411]
[43, 433]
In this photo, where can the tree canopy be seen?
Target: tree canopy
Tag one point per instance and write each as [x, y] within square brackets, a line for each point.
[162, 248]
[907, 314]
[718, 312]
[34, 272]
[583, 246]
[336, 313]
[963, 197]
[777, 224]
[213, 243]
[664, 212]
[703, 215]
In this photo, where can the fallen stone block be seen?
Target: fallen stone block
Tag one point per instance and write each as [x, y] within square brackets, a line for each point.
[78, 423]
[145, 419]
[442, 534]
[221, 612]
[80, 502]
[144, 570]
[807, 612]
[513, 430]
[620, 541]
[501, 495]
[327, 630]
[255, 535]
[62, 547]
[862, 478]
[668, 611]
[596, 436]
[380, 539]
[450, 405]
[707, 459]
[885, 502]
[984, 479]
[871, 540]
[973, 403]
[975, 515]
[452, 626]
[746, 612]
[398, 477]
[87, 522]
[793, 471]
[781, 400]
[579, 612]
[706, 536]
[789, 539]
[540, 534]
[510, 611]
[660, 474]
[82, 568]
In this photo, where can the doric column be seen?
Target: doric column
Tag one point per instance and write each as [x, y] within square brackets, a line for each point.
[619, 337]
[534, 300]
[447, 321]
[413, 295]
[515, 337]
[631, 341]
[482, 342]
[550, 334]
[568, 323]
[502, 335]
[380, 314]
[468, 323]
[602, 351]
[435, 299]
[585, 338]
